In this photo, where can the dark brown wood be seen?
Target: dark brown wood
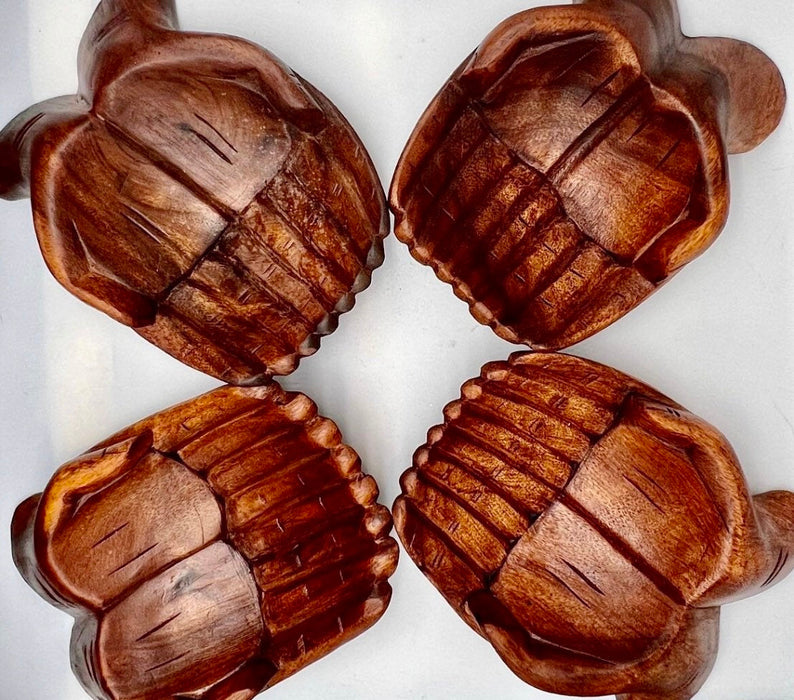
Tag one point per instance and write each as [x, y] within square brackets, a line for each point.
[576, 161]
[589, 527]
[199, 191]
[210, 550]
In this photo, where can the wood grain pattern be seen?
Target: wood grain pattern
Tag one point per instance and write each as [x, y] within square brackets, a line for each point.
[589, 527]
[199, 191]
[577, 160]
[211, 550]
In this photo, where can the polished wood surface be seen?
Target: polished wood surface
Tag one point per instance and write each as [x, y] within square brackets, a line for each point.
[577, 160]
[210, 550]
[199, 191]
[589, 527]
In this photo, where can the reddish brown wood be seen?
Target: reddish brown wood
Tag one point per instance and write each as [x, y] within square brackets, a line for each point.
[589, 527]
[210, 550]
[576, 161]
[199, 191]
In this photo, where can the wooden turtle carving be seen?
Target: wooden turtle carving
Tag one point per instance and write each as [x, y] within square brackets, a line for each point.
[199, 191]
[576, 161]
[211, 550]
[589, 527]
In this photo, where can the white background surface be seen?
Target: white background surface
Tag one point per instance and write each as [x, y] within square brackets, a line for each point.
[719, 338]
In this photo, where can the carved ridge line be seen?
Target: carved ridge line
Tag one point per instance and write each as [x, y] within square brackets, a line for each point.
[541, 47]
[233, 319]
[112, 24]
[531, 370]
[282, 466]
[276, 260]
[222, 137]
[450, 175]
[276, 297]
[485, 199]
[626, 551]
[449, 493]
[134, 559]
[241, 355]
[158, 627]
[349, 514]
[208, 143]
[499, 228]
[503, 456]
[314, 290]
[597, 132]
[513, 393]
[359, 165]
[442, 455]
[455, 176]
[452, 118]
[172, 171]
[25, 130]
[273, 433]
[648, 478]
[338, 229]
[492, 417]
[150, 228]
[130, 589]
[90, 666]
[617, 416]
[349, 182]
[246, 411]
[292, 501]
[505, 392]
[301, 575]
[533, 239]
[591, 284]
[351, 597]
[606, 81]
[439, 534]
[582, 576]
[779, 566]
[109, 535]
[644, 493]
[435, 479]
[305, 240]
[165, 663]
[559, 580]
[563, 212]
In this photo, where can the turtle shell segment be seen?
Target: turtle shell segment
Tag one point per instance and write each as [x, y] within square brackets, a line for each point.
[212, 549]
[554, 195]
[199, 192]
[576, 517]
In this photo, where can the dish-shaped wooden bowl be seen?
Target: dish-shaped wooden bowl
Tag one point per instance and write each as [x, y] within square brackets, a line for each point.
[199, 191]
[589, 527]
[210, 550]
[576, 161]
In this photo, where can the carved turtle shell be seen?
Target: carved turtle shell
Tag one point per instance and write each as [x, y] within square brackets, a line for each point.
[210, 550]
[589, 527]
[576, 161]
[199, 191]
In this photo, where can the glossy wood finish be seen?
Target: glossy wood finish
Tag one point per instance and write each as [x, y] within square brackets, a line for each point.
[210, 550]
[589, 527]
[578, 159]
[199, 191]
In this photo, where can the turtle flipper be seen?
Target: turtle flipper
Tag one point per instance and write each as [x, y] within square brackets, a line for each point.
[85, 474]
[674, 670]
[116, 31]
[760, 529]
[755, 93]
[22, 133]
[125, 33]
